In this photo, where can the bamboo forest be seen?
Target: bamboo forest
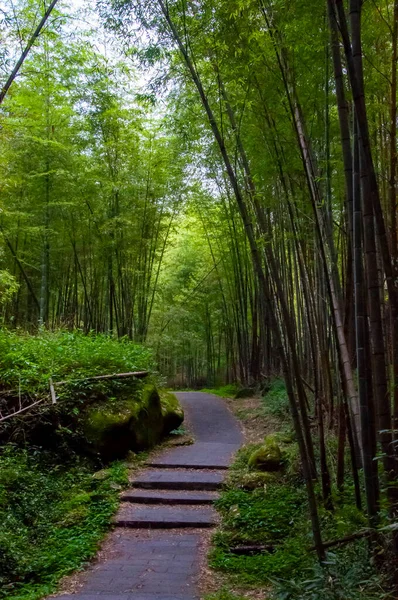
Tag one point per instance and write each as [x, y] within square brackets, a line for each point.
[198, 299]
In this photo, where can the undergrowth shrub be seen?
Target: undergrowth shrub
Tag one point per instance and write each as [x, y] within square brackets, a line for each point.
[52, 517]
[26, 364]
[263, 514]
[276, 401]
[273, 513]
[226, 391]
[28, 361]
[347, 574]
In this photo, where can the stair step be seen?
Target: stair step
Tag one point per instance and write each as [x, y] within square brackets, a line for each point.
[165, 465]
[200, 455]
[169, 497]
[179, 479]
[155, 517]
[124, 596]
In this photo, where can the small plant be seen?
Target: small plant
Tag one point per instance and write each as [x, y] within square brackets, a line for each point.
[276, 401]
[347, 574]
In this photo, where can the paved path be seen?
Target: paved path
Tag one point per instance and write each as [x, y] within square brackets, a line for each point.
[153, 552]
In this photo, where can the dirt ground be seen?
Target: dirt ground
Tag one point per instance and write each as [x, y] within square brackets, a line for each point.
[256, 425]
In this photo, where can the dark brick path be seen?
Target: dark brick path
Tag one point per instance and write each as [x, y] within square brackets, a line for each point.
[153, 552]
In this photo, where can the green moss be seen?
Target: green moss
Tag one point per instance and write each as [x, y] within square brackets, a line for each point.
[112, 429]
[107, 428]
[146, 427]
[267, 457]
[227, 391]
[172, 413]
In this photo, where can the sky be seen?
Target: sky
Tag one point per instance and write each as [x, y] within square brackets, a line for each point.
[81, 16]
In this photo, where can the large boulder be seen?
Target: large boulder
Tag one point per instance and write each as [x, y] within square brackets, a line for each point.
[111, 429]
[268, 457]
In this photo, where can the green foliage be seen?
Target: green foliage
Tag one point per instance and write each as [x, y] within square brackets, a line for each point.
[346, 574]
[52, 518]
[30, 360]
[226, 391]
[8, 286]
[276, 401]
[274, 513]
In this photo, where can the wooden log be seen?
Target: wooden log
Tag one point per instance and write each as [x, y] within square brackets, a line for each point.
[52, 391]
[358, 535]
[137, 374]
[17, 412]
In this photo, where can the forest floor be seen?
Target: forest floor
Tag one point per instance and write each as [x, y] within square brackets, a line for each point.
[269, 510]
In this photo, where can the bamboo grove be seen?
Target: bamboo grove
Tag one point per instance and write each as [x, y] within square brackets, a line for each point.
[246, 228]
[298, 130]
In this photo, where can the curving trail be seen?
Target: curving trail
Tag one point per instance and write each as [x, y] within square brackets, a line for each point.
[153, 552]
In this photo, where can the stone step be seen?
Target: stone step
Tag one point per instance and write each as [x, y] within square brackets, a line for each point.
[179, 465]
[179, 479]
[156, 517]
[126, 596]
[201, 455]
[169, 497]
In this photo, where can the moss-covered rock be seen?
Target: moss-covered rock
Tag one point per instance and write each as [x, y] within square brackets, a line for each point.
[267, 457]
[254, 480]
[146, 425]
[172, 413]
[112, 429]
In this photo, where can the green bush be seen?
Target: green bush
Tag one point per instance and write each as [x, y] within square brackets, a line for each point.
[227, 391]
[29, 361]
[52, 518]
[347, 574]
[263, 515]
[276, 401]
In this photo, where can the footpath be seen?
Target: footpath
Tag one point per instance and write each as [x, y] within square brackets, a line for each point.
[153, 553]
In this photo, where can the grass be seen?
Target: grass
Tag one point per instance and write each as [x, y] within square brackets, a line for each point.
[28, 361]
[272, 510]
[52, 517]
[226, 391]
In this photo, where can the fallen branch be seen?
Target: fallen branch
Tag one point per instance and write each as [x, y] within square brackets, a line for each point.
[21, 410]
[52, 391]
[358, 535]
[137, 374]
[52, 385]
